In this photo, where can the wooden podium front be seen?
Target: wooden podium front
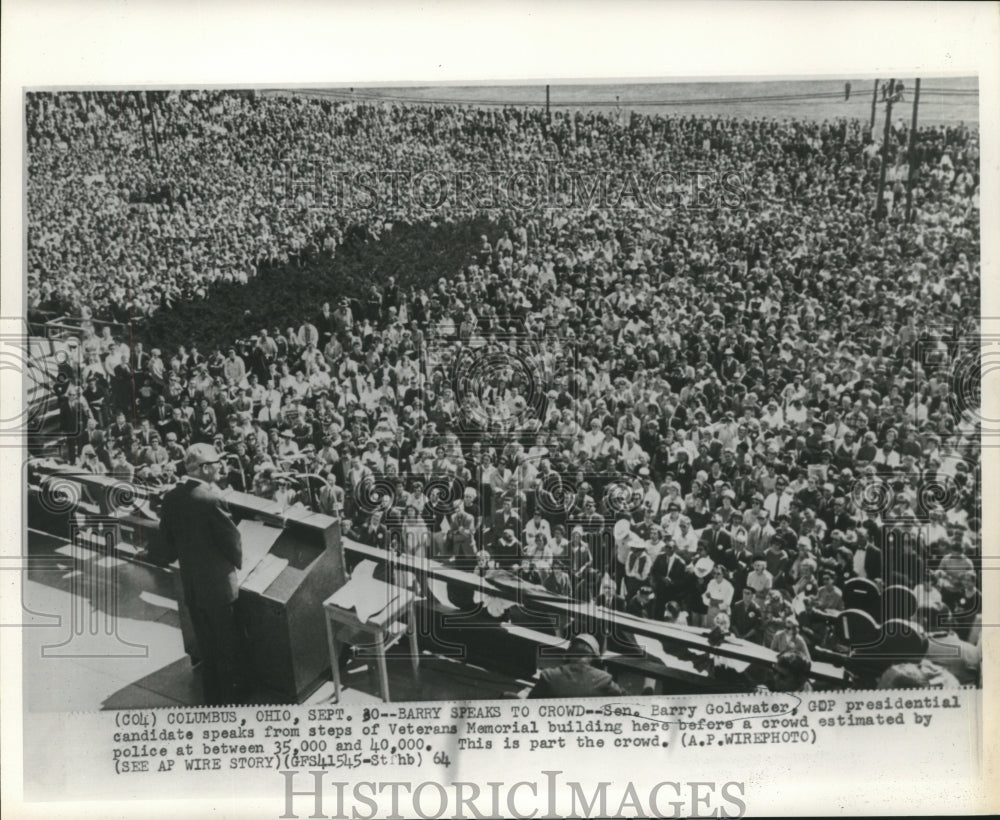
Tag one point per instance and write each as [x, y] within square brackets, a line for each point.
[296, 563]
[281, 597]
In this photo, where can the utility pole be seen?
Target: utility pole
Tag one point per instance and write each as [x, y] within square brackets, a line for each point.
[880, 201]
[871, 126]
[548, 115]
[142, 125]
[152, 120]
[913, 154]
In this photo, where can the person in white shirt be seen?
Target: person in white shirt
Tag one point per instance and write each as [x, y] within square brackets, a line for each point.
[796, 413]
[288, 446]
[537, 548]
[759, 579]
[537, 525]
[567, 427]
[656, 542]
[718, 594]
[580, 451]
[271, 404]
[795, 390]
[558, 546]
[594, 437]
[319, 377]
[609, 444]
[633, 455]
[686, 539]
[836, 428]
[650, 496]
[936, 530]
[285, 494]
[539, 449]
[779, 501]
[727, 430]
[628, 423]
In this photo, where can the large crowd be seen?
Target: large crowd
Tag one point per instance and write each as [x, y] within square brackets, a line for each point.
[708, 415]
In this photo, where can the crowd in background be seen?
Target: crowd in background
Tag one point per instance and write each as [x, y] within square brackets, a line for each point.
[710, 415]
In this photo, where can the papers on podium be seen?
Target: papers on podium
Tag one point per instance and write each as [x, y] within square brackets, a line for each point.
[265, 573]
[257, 540]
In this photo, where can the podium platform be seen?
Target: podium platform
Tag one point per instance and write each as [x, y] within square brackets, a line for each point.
[293, 560]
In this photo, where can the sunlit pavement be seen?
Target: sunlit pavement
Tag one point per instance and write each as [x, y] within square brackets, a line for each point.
[104, 633]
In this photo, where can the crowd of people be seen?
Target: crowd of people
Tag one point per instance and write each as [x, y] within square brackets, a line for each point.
[707, 415]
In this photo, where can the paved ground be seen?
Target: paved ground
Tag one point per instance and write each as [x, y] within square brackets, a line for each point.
[79, 657]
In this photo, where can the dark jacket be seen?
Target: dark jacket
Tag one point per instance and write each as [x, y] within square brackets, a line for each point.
[746, 621]
[574, 680]
[718, 543]
[198, 532]
[669, 585]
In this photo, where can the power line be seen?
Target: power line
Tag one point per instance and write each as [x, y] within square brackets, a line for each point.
[792, 98]
[677, 102]
[972, 92]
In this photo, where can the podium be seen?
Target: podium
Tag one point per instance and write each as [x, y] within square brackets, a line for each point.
[292, 560]
[368, 612]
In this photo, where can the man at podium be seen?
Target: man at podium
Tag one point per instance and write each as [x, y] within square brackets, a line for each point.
[198, 533]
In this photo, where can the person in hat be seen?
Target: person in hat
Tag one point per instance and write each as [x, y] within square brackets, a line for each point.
[285, 494]
[790, 638]
[199, 533]
[579, 676]
[637, 565]
[372, 457]
[642, 603]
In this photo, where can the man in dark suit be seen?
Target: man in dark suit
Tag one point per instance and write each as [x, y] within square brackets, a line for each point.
[642, 603]
[746, 619]
[179, 426]
[719, 543]
[120, 431]
[198, 532]
[504, 519]
[138, 363]
[873, 554]
[579, 677]
[161, 415]
[669, 579]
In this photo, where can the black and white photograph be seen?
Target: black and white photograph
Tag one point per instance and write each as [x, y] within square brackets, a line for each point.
[677, 375]
[575, 399]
